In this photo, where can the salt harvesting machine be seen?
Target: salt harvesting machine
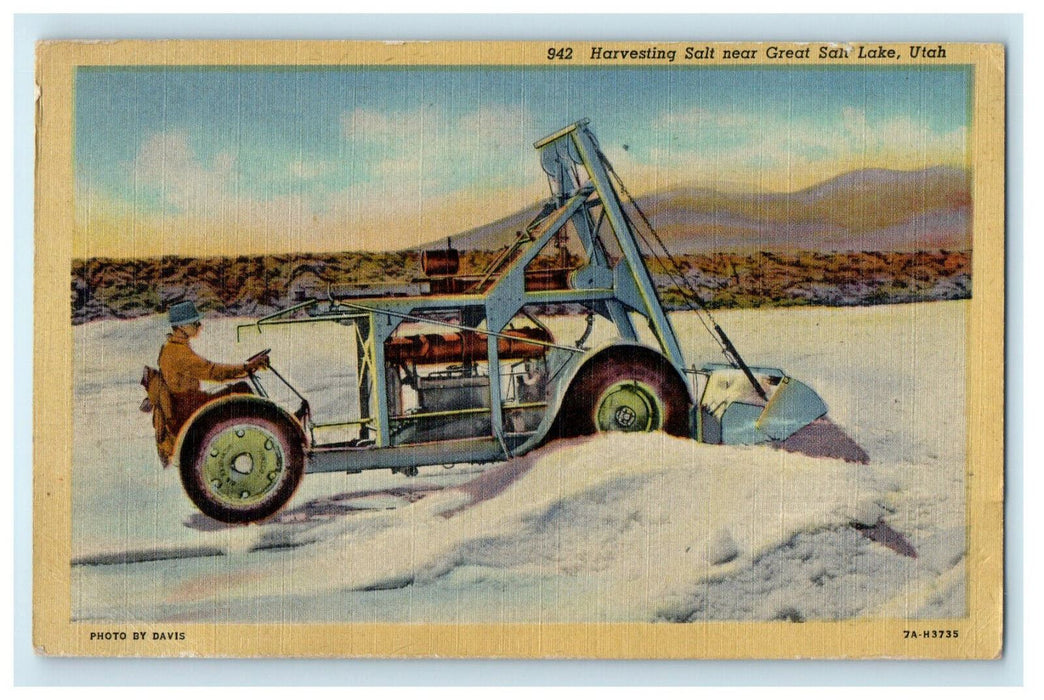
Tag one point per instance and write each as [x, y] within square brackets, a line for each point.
[454, 368]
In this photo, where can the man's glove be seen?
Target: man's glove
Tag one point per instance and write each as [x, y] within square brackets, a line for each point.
[256, 363]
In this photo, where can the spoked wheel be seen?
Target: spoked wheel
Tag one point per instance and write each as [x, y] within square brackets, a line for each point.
[244, 468]
[625, 392]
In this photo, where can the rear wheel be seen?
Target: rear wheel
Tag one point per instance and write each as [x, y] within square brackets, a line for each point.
[243, 467]
[629, 406]
[625, 392]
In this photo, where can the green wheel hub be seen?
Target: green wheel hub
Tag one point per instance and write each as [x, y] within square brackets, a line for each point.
[630, 407]
[243, 464]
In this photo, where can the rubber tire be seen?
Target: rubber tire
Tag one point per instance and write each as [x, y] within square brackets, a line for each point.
[577, 414]
[192, 469]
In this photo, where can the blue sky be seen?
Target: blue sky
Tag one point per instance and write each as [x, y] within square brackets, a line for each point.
[175, 160]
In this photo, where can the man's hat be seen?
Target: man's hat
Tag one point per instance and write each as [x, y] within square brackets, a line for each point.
[183, 313]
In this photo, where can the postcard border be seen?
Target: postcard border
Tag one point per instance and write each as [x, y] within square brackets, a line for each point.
[53, 410]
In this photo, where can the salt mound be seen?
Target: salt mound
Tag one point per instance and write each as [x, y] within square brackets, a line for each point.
[661, 514]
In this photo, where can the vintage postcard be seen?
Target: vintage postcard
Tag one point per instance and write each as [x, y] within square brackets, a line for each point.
[519, 349]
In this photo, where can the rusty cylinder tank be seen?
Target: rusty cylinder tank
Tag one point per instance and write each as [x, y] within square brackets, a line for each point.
[465, 347]
[440, 263]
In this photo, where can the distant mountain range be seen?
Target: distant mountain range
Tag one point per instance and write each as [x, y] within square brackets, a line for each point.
[862, 210]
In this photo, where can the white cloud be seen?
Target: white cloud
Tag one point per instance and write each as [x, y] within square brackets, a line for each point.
[422, 174]
[423, 165]
[426, 177]
[440, 151]
[311, 169]
[776, 151]
[167, 161]
[701, 118]
[370, 125]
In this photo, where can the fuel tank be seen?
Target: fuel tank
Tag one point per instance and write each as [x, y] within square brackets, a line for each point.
[465, 346]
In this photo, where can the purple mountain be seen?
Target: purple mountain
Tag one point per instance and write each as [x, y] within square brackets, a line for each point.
[862, 210]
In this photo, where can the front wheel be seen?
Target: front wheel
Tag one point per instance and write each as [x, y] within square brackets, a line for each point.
[244, 467]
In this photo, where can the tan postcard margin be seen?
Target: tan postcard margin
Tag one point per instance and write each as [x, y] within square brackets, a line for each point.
[980, 634]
